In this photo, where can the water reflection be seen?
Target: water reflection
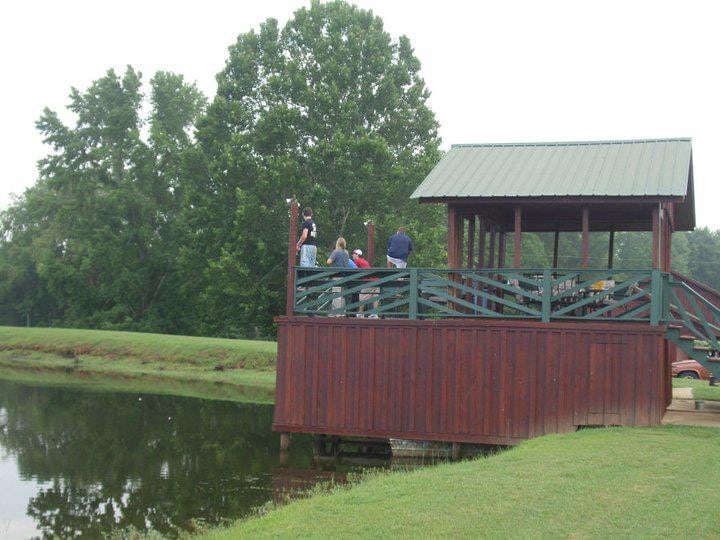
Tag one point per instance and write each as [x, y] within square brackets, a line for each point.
[102, 461]
[80, 463]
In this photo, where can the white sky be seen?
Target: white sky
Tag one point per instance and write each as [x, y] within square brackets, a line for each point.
[499, 71]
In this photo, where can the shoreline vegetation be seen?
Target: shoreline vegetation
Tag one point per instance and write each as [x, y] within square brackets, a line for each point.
[229, 369]
[594, 483]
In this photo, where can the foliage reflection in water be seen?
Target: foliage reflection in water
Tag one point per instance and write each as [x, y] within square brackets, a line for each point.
[85, 463]
[97, 462]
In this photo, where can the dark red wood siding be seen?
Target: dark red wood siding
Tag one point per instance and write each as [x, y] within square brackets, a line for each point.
[483, 381]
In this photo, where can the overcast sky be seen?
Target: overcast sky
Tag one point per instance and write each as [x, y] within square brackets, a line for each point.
[498, 71]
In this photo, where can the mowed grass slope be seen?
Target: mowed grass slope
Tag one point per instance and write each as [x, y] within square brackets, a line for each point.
[598, 483]
[131, 354]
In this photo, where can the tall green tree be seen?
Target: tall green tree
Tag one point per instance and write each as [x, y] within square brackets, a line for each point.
[102, 215]
[329, 109]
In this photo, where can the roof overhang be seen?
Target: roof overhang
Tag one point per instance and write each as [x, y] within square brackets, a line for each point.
[617, 179]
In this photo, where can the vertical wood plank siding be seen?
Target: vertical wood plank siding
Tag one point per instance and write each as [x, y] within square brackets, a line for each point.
[495, 382]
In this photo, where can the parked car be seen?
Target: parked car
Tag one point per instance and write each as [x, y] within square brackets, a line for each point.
[689, 369]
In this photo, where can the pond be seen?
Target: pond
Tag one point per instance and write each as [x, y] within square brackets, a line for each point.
[86, 463]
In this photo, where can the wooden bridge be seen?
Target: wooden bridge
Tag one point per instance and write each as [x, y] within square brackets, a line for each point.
[480, 353]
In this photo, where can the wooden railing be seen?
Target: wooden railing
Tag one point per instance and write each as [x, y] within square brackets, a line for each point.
[688, 309]
[427, 293]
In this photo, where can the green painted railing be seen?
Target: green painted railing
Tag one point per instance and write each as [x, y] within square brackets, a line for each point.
[426, 293]
[688, 309]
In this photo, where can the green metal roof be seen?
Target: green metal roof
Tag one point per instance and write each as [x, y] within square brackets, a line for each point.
[655, 167]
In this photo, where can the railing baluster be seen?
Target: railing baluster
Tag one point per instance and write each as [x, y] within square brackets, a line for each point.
[546, 295]
[656, 307]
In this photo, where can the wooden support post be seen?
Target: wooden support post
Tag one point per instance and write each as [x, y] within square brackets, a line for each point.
[667, 240]
[455, 451]
[459, 240]
[556, 249]
[371, 242]
[491, 259]
[284, 441]
[470, 262]
[481, 241]
[502, 241]
[471, 242]
[454, 248]
[668, 249]
[491, 249]
[655, 238]
[611, 249]
[453, 234]
[292, 253]
[518, 237]
[585, 236]
[501, 249]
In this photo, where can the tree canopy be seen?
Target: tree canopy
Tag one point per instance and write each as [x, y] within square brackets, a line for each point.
[167, 212]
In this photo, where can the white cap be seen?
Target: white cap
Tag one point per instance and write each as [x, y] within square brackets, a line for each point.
[357, 252]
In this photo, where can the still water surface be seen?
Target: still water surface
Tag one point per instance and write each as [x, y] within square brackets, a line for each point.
[79, 463]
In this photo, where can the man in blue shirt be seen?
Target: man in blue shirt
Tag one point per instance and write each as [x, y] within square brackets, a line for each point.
[399, 248]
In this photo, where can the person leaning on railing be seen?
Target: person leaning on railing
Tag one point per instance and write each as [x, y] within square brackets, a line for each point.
[369, 292]
[339, 258]
[399, 249]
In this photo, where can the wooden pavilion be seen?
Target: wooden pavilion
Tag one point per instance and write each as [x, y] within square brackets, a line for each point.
[480, 352]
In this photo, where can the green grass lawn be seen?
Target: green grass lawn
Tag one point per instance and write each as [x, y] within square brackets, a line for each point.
[701, 389]
[137, 356]
[599, 483]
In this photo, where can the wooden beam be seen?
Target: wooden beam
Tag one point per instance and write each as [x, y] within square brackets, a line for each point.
[585, 236]
[655, 238]
[518, 237]
[556, 249]
[611, 249]
[371, 242]
[292, 254]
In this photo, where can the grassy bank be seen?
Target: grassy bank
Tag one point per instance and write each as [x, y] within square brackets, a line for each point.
[617, 482]
[701, 389]
[139, 360]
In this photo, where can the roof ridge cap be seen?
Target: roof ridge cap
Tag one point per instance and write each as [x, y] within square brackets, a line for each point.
[573, 143]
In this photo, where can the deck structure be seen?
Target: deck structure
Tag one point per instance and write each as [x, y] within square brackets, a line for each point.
[480, 352]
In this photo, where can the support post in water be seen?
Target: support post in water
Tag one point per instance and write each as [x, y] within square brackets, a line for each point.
[284, 441]
[292, 253]
[455, 450]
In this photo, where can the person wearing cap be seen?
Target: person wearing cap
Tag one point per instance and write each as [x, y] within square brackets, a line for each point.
[368, 293]
[358, 259]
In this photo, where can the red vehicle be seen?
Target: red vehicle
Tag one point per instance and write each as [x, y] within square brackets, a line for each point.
[689, 369]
